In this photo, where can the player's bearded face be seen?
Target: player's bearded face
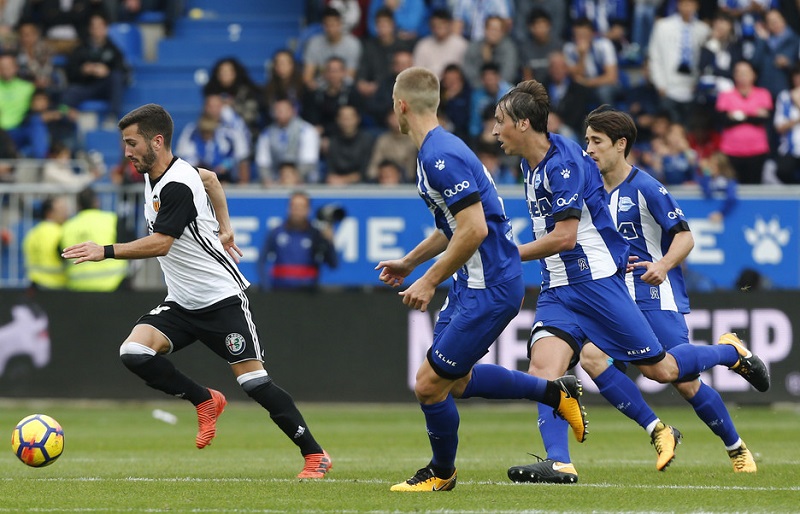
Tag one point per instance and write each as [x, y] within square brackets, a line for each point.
[145, 164]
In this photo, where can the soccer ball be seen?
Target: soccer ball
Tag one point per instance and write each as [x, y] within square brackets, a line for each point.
[37, 440]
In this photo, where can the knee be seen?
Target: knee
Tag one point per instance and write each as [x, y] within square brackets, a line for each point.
[687, 389]
[133, 354]
[254, 381]
[662, 373]
[594, 360]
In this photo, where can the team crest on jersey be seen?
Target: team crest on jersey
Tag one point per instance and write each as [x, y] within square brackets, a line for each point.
[625, 204]
[235, 343]
[565, 173]
[156, 203]
[439, 164]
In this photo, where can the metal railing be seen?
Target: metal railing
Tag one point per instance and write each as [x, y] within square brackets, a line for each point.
[19, 206]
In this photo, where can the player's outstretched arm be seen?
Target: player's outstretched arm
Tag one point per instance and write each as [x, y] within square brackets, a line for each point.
[154, 245]
[217, 195]
[393, 272]
[470, 232]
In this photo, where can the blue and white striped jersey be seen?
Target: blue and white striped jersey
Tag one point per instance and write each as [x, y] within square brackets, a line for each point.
[567, 184]
[649, 217]
[449, 178]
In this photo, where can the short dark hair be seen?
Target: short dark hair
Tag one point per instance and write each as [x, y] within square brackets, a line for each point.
[87, 199]
[538, 14]
[152, 120]
[442, 14]
[384, 12]
[615, 124]
[331, 12]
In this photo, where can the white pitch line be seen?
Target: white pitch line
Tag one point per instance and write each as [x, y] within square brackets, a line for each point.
[600, 485]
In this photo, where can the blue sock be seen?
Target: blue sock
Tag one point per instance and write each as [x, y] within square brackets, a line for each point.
[711, 409]
[554, 430]
[622, 393]
[498, 383]
[442, 422]
[694, 359]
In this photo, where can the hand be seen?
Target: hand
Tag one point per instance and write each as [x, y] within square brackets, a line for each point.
[655, 274]
[82, 252]
[393, 272]
[418, 295]
[226, 238]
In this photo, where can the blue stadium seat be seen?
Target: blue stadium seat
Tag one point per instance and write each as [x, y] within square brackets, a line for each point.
[107, 142]
[246, 7]
[100, 107]
[183, 52]
[239, 29]
[128, 39]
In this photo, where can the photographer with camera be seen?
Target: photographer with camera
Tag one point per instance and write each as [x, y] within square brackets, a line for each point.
[295, 250]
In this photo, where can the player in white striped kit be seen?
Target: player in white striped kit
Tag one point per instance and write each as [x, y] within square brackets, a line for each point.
[191, 235]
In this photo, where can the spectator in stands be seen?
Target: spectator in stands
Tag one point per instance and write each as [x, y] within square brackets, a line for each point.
[61, 123]
[288, 175]
[470, 16]
[540, 41]
[455, 100]
[231, 132]
[567, 97]
[644, 16]
[644, 151]
[207, 144]
[717, 57]
[321, 104]
[745, 112]
[376, 59]
[674, 54]
[491, 87]
[703, 134]
[675, 162]
[401, 60]
[393, 146]
[34, 57]
[352, 15]
[26, 128]
[389, 173]
[59, 169]
[787, 125]
[592, 61]
[285, 80]
[288, 138]
[491, 156]
[65, 24]
[776, 51]
[556, 11]
[408, 15]
[333, 42]
[641, 101]
[96, 70]
[602, 13]
[41, 247]
[493, 47]
[130, 11]
[103, 227]
[230, 80]
[718, 182]
[294, 251]
[442, 47]
[10, 13]
[349, 151]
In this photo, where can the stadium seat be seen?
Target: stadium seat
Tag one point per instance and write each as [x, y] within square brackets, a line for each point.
[107, 143]
[128, 39]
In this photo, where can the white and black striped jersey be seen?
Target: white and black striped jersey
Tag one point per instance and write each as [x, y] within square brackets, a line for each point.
[197, 269]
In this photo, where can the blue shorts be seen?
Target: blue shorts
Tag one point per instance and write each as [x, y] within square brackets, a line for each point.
[603, 312]
[470, 322]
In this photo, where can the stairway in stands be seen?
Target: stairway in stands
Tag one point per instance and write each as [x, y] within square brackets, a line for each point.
[250, 30]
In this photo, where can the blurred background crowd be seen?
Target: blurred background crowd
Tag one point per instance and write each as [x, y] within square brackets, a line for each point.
[714, 86]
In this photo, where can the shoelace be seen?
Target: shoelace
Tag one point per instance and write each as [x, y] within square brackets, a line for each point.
[317, 463]
[422, 475]
[739, 458]
[657, 439]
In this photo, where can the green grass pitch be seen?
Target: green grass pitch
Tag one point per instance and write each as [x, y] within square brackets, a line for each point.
[118, 458]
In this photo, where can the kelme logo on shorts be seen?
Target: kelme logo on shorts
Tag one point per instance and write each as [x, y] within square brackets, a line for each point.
[235, 343]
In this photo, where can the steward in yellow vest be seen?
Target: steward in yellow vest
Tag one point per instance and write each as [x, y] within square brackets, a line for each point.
[92, 224]
[42, 247]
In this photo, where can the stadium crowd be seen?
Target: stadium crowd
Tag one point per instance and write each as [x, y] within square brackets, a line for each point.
[713, 85]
